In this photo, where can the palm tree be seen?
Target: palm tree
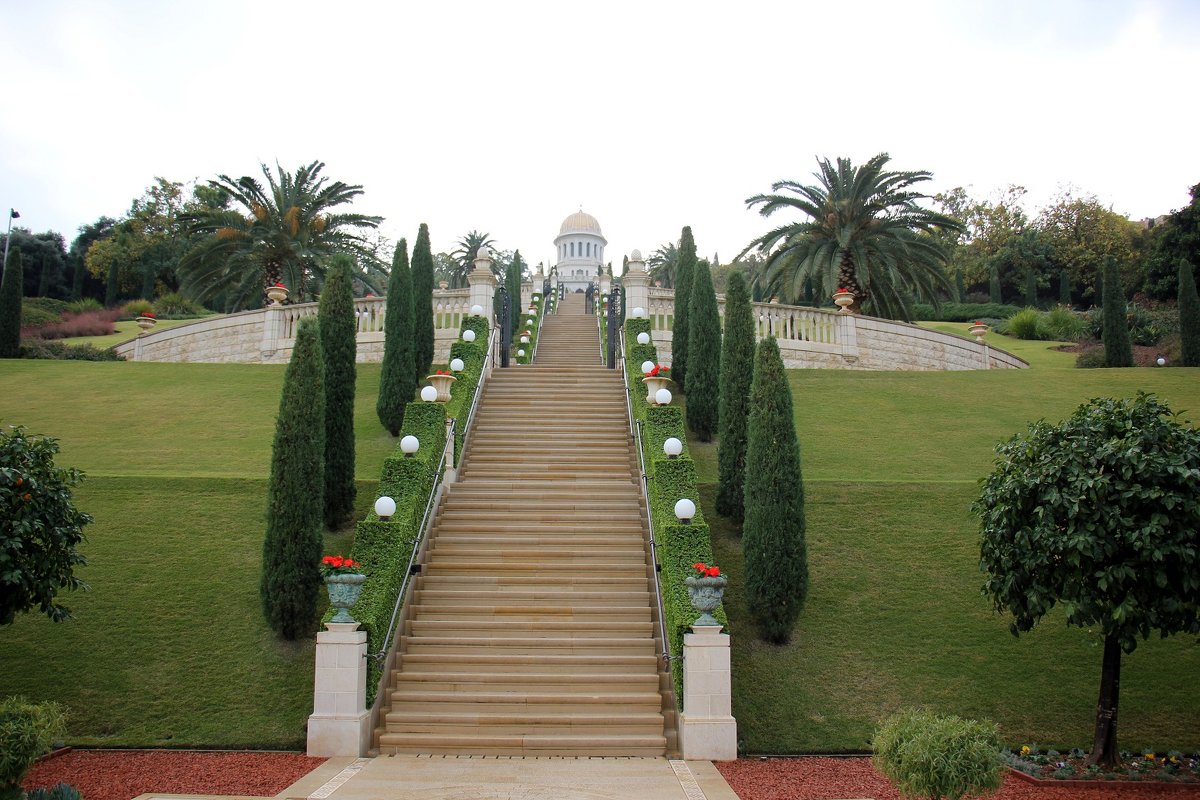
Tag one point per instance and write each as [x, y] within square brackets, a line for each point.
[464, 256]
[661, 264]
[865, 232]
[280, 234]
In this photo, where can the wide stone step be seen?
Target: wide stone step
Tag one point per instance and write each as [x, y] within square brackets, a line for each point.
[498, 662]
[567, 581]
[538, 646]
[502, 628]
[556, 744]
[565, 684]
[513, 723]
[429, 611]
[504, 504]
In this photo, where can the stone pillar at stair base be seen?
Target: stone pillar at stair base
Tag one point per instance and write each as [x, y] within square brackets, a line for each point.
[636, 283]
[340, 722]
[482, 283]
[707, 729]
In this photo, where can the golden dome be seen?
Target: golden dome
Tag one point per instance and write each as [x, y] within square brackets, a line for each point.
[580, 222]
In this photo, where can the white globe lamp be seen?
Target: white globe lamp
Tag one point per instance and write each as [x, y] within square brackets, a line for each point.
[477, 310]
[468, 335]
[684, 510]
[428, 394]
[456, 365]
[385, 507]
[672, 447]
[643, 338]
[663, 397]
[409, 444]
[647, 366]
[639, 312]
[521, 353]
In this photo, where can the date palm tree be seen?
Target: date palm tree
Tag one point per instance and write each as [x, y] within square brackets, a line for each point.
[864, 232]
[280, 233]
[464, 256]
[661, 264]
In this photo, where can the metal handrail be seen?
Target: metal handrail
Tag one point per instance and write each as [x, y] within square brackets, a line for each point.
[541, 317]
[426, 521]
[430, 503]
[635, 429]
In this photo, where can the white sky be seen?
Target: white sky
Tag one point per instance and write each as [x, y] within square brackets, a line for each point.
[508, 116]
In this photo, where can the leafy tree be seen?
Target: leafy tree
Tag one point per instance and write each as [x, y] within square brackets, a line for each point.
[1118, 349]
[10, 305]
[989, 226]
[39, 250]
[1082, 234]
[866, 232]
[1064, 288]
[112, 288]
[994, 294]
[398, 377]
[960, 289]
[40, 528]
[1099, 514]
[77, 256]
[1189, 315]
[339, 346]
[512, 282]
[295, 494]
[704, 354]
[422, 293]
[277, 234]
[464, 254]
[1178, 237]
[685, 269]
[773, 533]
[737, 372]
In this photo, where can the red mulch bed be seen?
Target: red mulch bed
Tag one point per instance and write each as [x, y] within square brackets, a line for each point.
[125, 774]
[839, 778]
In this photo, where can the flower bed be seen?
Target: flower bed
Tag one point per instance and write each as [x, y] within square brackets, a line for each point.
[1050, 766]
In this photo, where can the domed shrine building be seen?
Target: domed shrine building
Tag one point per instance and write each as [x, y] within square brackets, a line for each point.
[580, 251]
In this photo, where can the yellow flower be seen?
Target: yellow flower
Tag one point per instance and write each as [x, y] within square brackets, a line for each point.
[1149, 756]
[1025, 750]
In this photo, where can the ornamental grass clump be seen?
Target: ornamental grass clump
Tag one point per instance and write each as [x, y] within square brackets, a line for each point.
[930, 756]
[27, 730]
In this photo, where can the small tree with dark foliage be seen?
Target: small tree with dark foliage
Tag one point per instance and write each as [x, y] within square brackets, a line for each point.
[1118, 348]
[704, 355]
[291, 578]
[422, 281]
[684, 277]
[10, 306]
[40, 528]
[737, 372]
[1189, 315]
[398, 375]
[1099, 514]
[773, 534]
[339, 347]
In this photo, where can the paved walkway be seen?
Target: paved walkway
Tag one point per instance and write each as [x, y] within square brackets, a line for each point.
[403, 777]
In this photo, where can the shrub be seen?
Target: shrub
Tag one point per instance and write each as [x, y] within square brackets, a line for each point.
[422, 282]
[398, 376]
[704, 348]
[86, 304]
[1091, 358]
[339, 328]
[737, 372]
[38, 311]
[1025, 324]
[89, 323]
[62, 791]
[10, 306]
[684, 278]
[1189, 316]
[57, 351]
[1064, 325]
[1118, 350]
[135, 308]
[930, 756]
[174, 304]
[963, 312]
[26, 731]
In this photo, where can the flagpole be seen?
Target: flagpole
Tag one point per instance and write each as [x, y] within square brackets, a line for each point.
[12, 214]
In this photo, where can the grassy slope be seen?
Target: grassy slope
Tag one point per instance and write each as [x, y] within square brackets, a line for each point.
[169, 647]
[894, 615]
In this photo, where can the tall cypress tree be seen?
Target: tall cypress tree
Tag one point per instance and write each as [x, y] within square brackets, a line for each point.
[292, 548]
[77, 278]
[112, 289]
[422, 293]
[398, 376]
[773, 534]
[704, 355]
[1189, 315]
[11, 288]
[960, 290]
[685, 268]
[339, 331]
[1031, 288]
[512, 282]
[1118, 350]
[994, 285]
[737, 371]
[1064, 288]
[44, 279]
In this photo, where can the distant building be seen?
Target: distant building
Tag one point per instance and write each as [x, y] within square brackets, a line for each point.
[580, 251]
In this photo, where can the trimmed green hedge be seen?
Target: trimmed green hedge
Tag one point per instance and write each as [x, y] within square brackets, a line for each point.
[533, 328]
[473, 355]
[679, 546]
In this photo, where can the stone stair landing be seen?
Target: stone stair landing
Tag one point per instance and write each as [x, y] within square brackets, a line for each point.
[532, 628]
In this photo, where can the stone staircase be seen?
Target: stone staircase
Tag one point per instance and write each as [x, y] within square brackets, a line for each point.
[532, 627]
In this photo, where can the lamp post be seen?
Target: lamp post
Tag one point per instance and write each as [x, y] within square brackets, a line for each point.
[12, 214]
[385, 507]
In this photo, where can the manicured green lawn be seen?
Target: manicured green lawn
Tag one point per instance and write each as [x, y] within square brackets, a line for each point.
[894, 615]
[169, 647]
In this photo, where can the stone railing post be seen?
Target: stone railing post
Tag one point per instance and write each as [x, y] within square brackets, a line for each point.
[482, 283]
[707, 728]
[272, 330]
[636, 283]
[340, 724]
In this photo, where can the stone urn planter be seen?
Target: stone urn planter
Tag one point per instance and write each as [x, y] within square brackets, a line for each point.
[146, 323]
[978, 330]
[344, 591]
[277, 294]
[843, 300]
[705, 594]
[442, 381]
[653, 384]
